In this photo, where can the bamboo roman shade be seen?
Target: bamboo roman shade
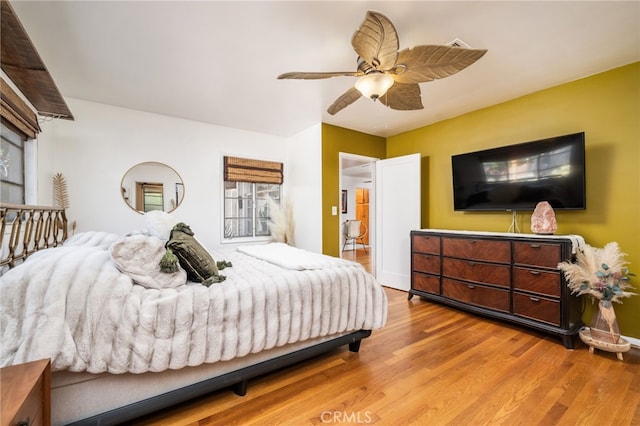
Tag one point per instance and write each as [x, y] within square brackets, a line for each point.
[17, 112]
[255, 171]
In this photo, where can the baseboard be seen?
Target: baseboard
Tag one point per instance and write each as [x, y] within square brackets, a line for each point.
[634, 342]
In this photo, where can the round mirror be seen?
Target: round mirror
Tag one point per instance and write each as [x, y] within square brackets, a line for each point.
[152, 186]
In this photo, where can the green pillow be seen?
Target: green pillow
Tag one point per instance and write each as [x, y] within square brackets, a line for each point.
[194, 259]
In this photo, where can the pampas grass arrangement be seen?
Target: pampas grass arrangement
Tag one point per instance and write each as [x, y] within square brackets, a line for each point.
[281, 223]
[600, 273]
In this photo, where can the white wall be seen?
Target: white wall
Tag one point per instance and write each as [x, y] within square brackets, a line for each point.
[94, 151]
[304, 186]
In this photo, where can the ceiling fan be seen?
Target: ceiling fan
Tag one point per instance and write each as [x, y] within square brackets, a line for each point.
[388, 75]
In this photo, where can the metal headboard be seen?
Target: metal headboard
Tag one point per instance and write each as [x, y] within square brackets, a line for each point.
[26, 229]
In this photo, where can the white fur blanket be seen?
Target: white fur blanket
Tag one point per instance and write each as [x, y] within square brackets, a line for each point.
[72, 305]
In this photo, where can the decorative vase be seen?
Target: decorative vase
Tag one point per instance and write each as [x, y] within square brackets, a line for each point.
[604, 326]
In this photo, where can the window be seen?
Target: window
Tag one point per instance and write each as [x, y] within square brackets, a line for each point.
[246, 208]
[12, 163]
[18, 150]
[250, 186]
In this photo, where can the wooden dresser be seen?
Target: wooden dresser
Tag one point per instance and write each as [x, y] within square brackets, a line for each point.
[511, 277]
[26, 394]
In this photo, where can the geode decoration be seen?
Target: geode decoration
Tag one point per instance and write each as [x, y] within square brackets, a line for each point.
[543, 219]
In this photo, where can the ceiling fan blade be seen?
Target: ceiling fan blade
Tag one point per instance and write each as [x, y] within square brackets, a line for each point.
[426, 63]
[346, 99]
[403, 97]
[376, 41]
[317, 75]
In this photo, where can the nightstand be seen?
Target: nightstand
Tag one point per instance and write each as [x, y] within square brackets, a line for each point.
[26, 394]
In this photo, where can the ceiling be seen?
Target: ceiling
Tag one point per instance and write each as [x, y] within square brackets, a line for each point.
[357, 167]
[217, 61]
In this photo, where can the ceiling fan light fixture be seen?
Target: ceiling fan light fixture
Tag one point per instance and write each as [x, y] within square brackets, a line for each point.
[381, 64]
[374, 84]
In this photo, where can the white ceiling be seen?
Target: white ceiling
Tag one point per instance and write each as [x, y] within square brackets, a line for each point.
[356, 167]
[217, 61]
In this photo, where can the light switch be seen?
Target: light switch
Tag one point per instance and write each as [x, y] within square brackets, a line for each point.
[334, 210]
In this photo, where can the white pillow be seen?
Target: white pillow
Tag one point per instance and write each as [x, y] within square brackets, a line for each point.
[139, 257]
[159, 224]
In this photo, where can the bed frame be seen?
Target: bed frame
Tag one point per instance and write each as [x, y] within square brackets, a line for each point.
[26, 229]
[237, 380]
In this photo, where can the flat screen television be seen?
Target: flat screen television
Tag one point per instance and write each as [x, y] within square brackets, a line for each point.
[517, 177]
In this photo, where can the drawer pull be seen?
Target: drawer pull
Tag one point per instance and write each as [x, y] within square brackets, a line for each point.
[535, 245]
[471, 263]
[471, 286]
[534, 299]
[534, 272]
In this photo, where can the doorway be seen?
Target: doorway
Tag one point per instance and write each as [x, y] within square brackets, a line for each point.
[394, 194]
[356, 177]
[149, 196]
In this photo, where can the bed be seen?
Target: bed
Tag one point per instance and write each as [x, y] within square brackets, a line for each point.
[125, 340]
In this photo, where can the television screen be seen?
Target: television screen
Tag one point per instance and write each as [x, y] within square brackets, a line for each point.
[517, 177]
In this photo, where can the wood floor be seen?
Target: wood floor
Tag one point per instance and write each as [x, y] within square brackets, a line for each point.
[434, 365]
[360, 256]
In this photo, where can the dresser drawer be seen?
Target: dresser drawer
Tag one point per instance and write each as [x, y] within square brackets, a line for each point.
[31, 411]
[536, 281]
[477, 249]
[426, 244]
[426, 263]
[536, 308]
[25, 393]
[478, 272]
[536, 254]
[478, 295]
[428, 283]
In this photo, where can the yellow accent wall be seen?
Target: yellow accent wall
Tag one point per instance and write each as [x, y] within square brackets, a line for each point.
[606, 107]
[334, 141]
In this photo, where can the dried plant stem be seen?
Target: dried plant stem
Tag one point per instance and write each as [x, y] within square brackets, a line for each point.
[60, 191]
[609, 316]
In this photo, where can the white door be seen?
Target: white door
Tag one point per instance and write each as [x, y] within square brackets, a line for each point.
[397, 212]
